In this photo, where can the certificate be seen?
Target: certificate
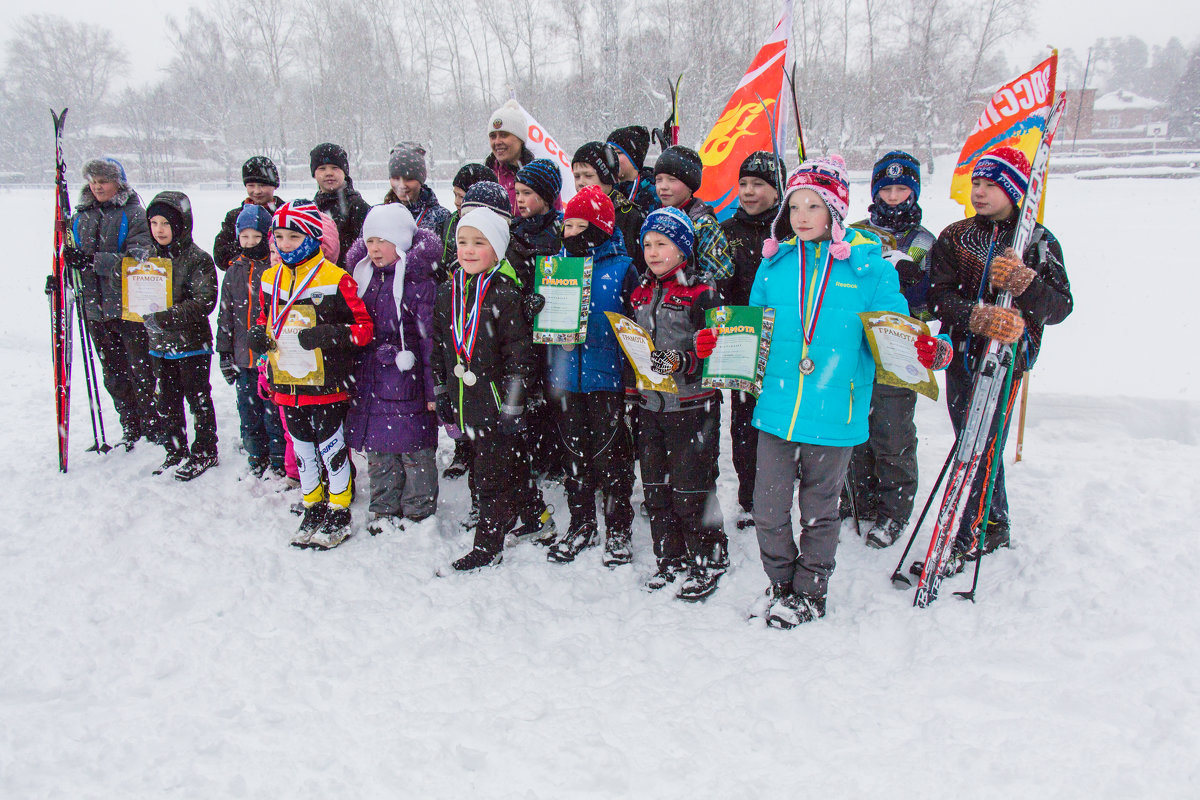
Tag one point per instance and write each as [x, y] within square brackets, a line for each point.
[145, 287]
[291, 364]
[892, 338]
[638, 346]
[739, 360]
[566, 283]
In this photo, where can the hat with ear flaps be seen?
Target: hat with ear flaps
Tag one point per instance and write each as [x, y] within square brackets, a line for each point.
[826, 177]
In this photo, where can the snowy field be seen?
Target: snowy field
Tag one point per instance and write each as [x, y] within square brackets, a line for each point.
[162, 640]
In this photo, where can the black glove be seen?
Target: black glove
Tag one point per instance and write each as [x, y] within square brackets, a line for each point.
[666, 362]
[152, 324]
[324, 336]
[531, 306]
[51, 285]
[229, 370]
[75, 258]
[258, 339]
[445, 409]
[512, 420]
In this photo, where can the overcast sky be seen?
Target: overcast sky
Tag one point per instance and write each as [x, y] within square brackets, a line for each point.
[140, 25]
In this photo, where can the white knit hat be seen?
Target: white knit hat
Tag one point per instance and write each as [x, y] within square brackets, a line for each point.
[394, 223]
[509, 118]
[493, 227]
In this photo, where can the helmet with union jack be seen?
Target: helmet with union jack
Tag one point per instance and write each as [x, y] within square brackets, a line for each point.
[301, 216]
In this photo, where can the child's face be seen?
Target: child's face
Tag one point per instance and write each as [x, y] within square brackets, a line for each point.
[408, 191]
[505, 146]
[459, 194]
[529, 202]
[381, 251]
[475, 253]
[330, 178]
[894, 195]
[808, 216]
[627, 172]
[249, 237]
[259, 193]
[288, 240]
[989, 200]
[756, 195]
[660, 253]
[671, 190]
[102, 190]
[585, 175]
[160, 229]
[574, 227]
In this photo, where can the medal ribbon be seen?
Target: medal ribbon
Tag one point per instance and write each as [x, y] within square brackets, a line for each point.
[278, 318]
[810, 306]
[464, 326]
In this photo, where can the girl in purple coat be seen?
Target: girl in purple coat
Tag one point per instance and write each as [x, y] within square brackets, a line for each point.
[391, 415]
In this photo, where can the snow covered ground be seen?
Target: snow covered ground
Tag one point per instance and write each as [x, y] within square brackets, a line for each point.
[161, 639]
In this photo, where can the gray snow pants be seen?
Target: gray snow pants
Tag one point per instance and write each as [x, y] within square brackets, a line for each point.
[885, 466]
[404, 484]
[823, 471]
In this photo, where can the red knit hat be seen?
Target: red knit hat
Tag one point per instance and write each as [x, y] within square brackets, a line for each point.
[1008, 168]
[592, 205]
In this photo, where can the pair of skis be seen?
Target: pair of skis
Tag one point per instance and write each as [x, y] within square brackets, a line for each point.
[990, 382]
[668, 134]
[64, 287]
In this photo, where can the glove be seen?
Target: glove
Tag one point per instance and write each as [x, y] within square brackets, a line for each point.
[1005, 325]
[445, 410]
[264, 386]
[258, 339]
[1008, 273]
[153, 326]
[531, 306]
[51, 285]
[512, 420]
[386, 354]
[326, 336]
[666, 362]
[75, 258]
[934, 352]
[705, 341]
[229, 370]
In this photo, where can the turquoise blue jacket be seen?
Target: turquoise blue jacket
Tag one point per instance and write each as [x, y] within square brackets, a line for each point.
[830, 406]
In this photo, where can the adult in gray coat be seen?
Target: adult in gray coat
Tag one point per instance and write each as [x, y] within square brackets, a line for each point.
[110, 223]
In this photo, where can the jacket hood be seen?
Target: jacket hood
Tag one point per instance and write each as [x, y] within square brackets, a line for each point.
[88, 200]
[182, 205]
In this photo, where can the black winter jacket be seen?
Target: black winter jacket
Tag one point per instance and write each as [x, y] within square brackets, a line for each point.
[225, 246]
[193, 288]
[348, 209]
[745, 234]
[238, 311]
[540, 235]
[106, 233]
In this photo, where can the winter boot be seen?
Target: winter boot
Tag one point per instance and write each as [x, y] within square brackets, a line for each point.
[996, 535]
[478, 558]
[795, 609]
[174, 458]
[314, 515]
[884, 533]
[775, 593]
[537, 524]
[380, 523]
[130, 432]
[458, 466]
[195, 466]
[701, 581]
[668, 571]
[258, 466]
[616, 548]
[335, 529]
[577, 539]
[745, 519]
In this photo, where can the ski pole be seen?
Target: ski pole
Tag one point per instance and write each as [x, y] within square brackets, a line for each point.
[88, 382]
[899, 580]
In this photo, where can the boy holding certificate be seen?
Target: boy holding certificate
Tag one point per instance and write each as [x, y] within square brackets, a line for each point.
[817, 275]
[585, 383]
[678, 432]
[311, 323]
[181, 338]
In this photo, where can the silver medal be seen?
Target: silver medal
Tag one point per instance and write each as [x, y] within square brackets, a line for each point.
[568, 347]
[468, 378]
[458, 370]
[807, 366]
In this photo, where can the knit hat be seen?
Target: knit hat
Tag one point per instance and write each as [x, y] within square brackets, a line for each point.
[682, 163]
[493, 227]
[260, 169]
[407, 162]
[170, 213]
[328, 153]
[471, 174]
[105, 169]
[543, 177]
[252, 216]
[593, 206]
[509, 118]
[826, 177]
[673, 224]
[394, 223]
[301, 216]
[331, 238]
[633, 141]
[601, 157]
[896, 168]
[1008, 168]
[487, 194]
[764, 165]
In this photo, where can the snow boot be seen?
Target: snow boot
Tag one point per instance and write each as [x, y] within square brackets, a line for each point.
[616, 548]
[996, 536]
[577, 539]
[335, 529]
[381, 523]
[745, 519]
[667, 572]
[537, 524]
[258, 466]
[130, 433]
[174, 458]
[478, 558]
[795, 609]
[195, 466]
[775, 593]
[701, 581]
[314, 515]
[884, 533]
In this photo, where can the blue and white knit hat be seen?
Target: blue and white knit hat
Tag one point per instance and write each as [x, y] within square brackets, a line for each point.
[543, 177]
[673, 224]
[896, 168]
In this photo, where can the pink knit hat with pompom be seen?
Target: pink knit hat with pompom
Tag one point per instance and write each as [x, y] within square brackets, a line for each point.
[827, 177]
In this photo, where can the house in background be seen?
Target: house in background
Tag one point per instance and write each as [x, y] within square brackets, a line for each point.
[1125, 115]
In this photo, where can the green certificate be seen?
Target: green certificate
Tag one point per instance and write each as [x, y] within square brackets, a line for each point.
[566, 283]
[739, 360]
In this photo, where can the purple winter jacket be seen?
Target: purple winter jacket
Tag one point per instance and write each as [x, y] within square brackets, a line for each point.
[388, 413]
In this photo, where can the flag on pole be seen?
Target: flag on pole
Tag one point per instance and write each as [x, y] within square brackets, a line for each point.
[1015, 116]
[744, 126]
[543, 145]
